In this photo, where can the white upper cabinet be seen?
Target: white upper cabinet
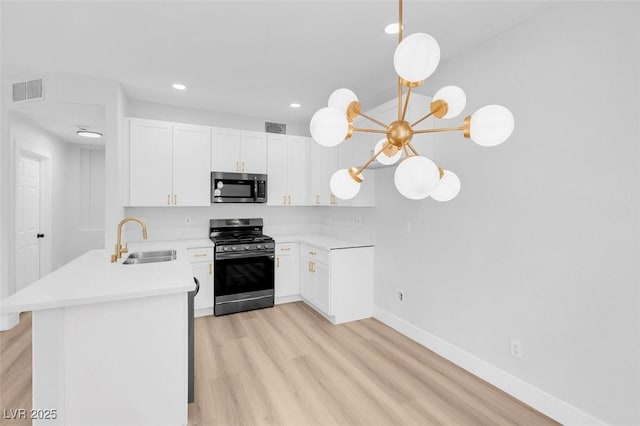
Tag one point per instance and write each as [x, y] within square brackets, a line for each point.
[169, 164]
[150, 173]
[191, 165]
[225, 152]
[323, 162]
[253, 152]
[287, 170]
[239, 151]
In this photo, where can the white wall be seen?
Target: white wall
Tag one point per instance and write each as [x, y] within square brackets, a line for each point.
[542, 243]
[85, 183]
[28, 137]
[155, 111]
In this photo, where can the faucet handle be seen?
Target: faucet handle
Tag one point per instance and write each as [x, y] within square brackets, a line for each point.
[125, 249]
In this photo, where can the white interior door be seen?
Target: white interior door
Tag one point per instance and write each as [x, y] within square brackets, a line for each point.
[27, 221]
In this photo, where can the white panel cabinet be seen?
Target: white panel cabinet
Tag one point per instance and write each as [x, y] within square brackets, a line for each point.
[287, 170]
[225, 151]
[191, 165]
[338, 283]
[202, 266]
[150, 174]
[239, 151]
[323, 162]
[169, 164]
[287, 277]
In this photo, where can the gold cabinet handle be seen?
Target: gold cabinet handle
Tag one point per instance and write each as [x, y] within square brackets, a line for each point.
[211, 269]
[175, 199]
[285, 248]
[243, 166]
[277, 262]
[237, 166]
[313, 266]
[312, 253]
[309, 266]
[289, 196]
[200, 255]
[284, 199]
[317, 199]
[168, 199]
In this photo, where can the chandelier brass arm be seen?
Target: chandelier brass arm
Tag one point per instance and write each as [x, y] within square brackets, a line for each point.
[359, 129]
[443, 129]
[406, 104]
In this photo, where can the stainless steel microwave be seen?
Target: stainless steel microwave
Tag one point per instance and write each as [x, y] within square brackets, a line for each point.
[238, 187]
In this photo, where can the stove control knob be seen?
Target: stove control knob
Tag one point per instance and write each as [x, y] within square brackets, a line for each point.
[233, 248]
[246, 246]
[258, 246]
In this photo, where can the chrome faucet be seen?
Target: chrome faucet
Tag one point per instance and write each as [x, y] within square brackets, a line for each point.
[125, 249]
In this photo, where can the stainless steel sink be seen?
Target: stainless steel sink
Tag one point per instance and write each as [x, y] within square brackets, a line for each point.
[150, 257]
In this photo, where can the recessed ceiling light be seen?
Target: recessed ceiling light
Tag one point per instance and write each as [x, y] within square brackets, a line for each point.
[294, 105]
[179, 86]
[392, 28]
[88, 134]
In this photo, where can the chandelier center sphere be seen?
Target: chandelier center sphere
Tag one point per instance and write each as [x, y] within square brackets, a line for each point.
[399, 133]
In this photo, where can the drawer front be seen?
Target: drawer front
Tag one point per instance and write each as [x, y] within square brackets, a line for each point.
[204, 254]
[317, 255]
[285, 249]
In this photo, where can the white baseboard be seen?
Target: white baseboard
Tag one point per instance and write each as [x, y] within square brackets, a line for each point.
[7, 322]
[287, 299]
[530, 395]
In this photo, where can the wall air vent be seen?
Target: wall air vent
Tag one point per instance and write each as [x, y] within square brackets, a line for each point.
[275, 128]
[28, 90]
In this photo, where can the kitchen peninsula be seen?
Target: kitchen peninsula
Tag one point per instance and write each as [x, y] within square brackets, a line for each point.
[110, 340]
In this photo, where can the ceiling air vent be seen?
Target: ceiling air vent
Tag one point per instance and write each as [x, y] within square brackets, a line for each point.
[28, 90]
[275, 128]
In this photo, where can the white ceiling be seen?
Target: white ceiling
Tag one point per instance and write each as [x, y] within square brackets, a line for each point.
[250, 58]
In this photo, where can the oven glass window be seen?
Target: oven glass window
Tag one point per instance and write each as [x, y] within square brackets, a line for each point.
[240, 190]
[243, 275]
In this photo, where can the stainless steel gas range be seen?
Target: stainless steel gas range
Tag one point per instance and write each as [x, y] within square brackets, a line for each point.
[243, 265]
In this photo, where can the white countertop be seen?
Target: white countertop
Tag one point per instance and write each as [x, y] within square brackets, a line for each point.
[92, 278]
[321, 241]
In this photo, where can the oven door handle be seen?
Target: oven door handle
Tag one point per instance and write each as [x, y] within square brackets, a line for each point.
[241, 255]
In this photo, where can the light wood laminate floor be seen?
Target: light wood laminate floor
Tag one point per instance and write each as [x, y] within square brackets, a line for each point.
[289, 366]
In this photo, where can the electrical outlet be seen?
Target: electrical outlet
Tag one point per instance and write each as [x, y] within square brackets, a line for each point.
[516, 348]
[187, 220]
[407, 226]
[400, 295]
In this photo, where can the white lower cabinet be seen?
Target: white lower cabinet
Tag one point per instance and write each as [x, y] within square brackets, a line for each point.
[338, 283]
[287, 277]
[202, 265]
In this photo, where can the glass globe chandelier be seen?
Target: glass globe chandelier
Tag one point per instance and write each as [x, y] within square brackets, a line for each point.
[416, 177]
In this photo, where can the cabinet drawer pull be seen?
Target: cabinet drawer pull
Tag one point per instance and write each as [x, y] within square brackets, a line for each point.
[211, 269]
[285, 248]
[317, 199]
[277, 262]
[313, 266]
[284, 199]
[243, 166]
[168, 199]
[200, 255]
[312, 253]
[175, 199]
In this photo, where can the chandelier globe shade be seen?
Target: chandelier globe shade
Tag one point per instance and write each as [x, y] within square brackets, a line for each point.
[383, 158]
[329, 126]
[416, 57]
[448, 188]
[341, 99]
[491, 125]
[454, 97]
[416, 177]
[343, 185]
